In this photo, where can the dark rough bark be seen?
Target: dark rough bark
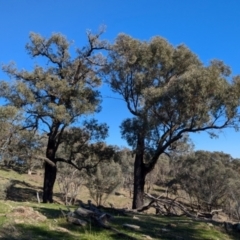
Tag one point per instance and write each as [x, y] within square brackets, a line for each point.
[139, 177]
[50, 172]
[49, 180]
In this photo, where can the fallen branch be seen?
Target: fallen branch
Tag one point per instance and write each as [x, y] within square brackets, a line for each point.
[216, 211]
[145, 207]
[169, 203]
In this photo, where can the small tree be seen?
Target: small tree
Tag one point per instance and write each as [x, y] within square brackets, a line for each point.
[55, 96]
[234, 198]
[169, 93]
[104, 180]
[70, 181]
[206, 177]
[125, 159]
[25, 147]
[9, 120]
[84, 149]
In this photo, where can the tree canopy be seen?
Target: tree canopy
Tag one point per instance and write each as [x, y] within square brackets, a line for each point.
[167, 89]
[55, 95]
[170, 93]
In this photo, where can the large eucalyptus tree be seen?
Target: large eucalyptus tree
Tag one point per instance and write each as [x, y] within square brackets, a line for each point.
[170, 93]
[55, 95]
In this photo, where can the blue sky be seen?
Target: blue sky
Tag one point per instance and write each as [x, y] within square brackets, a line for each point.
[211, 29]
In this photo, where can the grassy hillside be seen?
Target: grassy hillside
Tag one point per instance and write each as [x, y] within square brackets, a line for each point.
[21, 217]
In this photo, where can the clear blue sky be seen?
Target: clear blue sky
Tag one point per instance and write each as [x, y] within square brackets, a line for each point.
[210, 28]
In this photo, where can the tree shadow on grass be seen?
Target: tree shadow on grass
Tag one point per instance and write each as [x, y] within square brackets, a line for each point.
[175, 228]
[4, 168]
[96, 231]
[27, 232]
[22, 192]
[50, 213]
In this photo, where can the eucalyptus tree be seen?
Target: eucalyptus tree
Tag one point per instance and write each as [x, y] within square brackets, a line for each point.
[206, 177]
[26, 149]
[58, 91]
[9, 121]
[169, 93]
[106, 178]
[125, 158]
[85, 149]
[7, 117]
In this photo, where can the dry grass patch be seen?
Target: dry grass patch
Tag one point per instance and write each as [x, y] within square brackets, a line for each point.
[24, 214]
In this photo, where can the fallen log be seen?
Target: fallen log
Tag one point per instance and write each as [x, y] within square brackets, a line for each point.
[120, 234]
[82, 212]
[216, 211]
[89, 213]
[76, 221]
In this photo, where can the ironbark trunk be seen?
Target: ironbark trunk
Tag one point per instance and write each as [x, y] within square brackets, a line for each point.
[49, 180]
[50, 173]
[139, 176]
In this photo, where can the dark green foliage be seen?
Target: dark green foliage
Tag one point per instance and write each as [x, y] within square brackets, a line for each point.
[206, 178]
[57, 94]
[170, 93]
[9, 121]
[125, 159]
[104, 180]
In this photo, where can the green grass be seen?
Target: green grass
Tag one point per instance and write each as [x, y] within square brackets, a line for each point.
[55, 226]
[173, 228]
[151, 225]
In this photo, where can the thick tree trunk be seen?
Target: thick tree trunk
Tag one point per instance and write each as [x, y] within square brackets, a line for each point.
[50, 173]
[139, 182]
[49, 180]
[139, 177]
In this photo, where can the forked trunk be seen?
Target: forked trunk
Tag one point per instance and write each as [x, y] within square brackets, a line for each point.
[49, 180]
[139, 177]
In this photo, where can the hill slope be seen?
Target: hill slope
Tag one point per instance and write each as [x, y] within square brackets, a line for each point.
[21, 217]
